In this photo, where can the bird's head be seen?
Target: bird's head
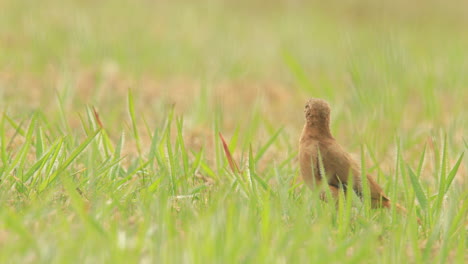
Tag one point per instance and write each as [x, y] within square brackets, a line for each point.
[317, 112]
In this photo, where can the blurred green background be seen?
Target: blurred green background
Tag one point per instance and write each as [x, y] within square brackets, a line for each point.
[396, 66]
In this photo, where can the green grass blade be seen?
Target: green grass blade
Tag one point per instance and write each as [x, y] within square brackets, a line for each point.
[452, 174]
[366, 193]
[79, 206]
[13, 222]
[418, 190]
[40, 145]
[16, 126]
[131, 110]
[154, 145]
[39, 164]
[265, 147]
[132, 173]
[252, 172]
[3, 148]
[217, 147]
[181, 143]
[197, 161]
[442, 178]
[421, 161]
[21, 156]
[68, 161]
[234, 139]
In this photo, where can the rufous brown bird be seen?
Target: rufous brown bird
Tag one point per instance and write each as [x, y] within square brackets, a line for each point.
[318, 147]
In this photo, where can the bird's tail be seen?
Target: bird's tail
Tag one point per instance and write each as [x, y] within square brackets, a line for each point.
[401, 209]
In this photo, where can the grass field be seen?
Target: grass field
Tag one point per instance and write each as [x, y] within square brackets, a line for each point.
[111, 110]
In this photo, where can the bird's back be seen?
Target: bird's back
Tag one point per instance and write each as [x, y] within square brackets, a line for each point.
[338, 164]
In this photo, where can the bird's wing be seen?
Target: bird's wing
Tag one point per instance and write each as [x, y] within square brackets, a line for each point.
[308, 161]
[340, 165]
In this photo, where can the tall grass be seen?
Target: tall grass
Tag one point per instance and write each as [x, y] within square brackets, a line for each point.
[76, 201]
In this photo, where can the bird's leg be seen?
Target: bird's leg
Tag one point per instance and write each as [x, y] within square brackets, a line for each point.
[316, 183]
[334, 193]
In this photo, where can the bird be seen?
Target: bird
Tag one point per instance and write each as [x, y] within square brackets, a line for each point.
[322, 158]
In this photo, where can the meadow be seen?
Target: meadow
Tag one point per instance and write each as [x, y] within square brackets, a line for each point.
[111, 111]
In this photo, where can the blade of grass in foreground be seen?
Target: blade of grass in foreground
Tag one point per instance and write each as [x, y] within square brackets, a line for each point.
[80, 207]
[421, 161]
[21, 156]
[27, 145]
[181, 143]
[39, 142]
[367, 199]
[255, 176]
[13, 222]
[68, 161]
[106, 141]
[234, 139]
[399, 171]
[418, 190]
[453, 173]
[170, 155]
[265, 147]
[238, 174]
[231, 161]
[16, 126]
[4, 155]
[442, 176]
[251, 172]
[131, 110]
[117, 153]
[41, 162]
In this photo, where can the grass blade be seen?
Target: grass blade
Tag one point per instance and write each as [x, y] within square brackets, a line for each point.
[131, 110]
[21, 156]
[452, 173]
[251, 171]
[418, 190]
[265, 147]
[16, 126]
[421, 161]
[68, 161]
[180, 139]
[3, 148]
[39, 142]
[231, 161]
